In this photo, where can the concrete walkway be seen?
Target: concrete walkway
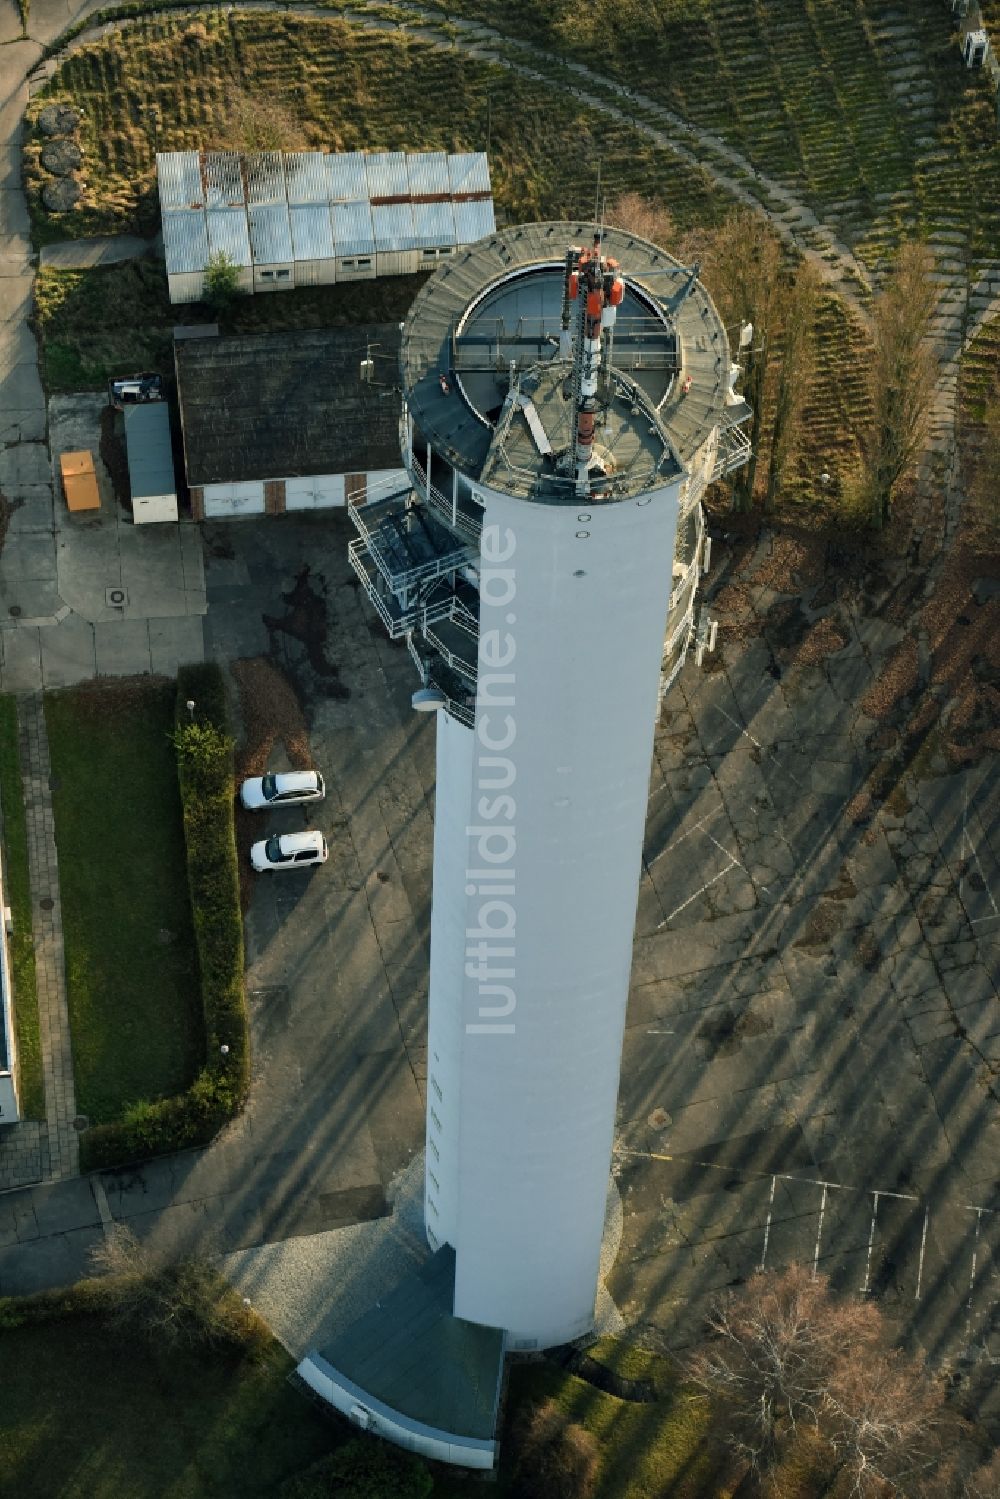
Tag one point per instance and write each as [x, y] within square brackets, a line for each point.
[83, 254]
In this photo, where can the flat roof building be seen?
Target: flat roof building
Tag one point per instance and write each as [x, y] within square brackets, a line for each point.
[310, 218]
[150, 462]
[288, 421]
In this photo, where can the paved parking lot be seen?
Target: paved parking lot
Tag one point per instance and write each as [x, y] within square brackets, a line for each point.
[813, 1036]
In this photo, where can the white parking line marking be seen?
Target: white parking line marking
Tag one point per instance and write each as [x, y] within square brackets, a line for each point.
[745, 732]
[923, 1241]
[767, 1225]
[972, 1275]
[871, 1240]
[684, 903]
[819, 1230]
[726, 852]
[678, 841]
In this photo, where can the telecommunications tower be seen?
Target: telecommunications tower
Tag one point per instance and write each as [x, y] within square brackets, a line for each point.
[567, 396]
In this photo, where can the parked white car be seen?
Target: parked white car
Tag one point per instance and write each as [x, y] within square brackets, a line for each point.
[283, 790]
[289, 851]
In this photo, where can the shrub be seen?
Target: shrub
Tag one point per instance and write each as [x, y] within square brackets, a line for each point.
[363, 1469]
[172, 1302]
[555, 1458]
[207, 784]
[222, 282]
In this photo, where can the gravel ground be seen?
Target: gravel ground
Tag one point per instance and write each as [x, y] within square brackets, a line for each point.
[310, 1289]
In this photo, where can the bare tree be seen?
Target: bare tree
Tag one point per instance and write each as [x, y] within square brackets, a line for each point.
[791, 1362]
[984, 1483]
[902, 376]
[742, 270]
[798, 313]
[772, 1351]
[881, 1416]
[645, 217]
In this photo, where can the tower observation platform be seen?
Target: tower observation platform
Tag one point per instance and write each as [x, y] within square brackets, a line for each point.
[568, 394]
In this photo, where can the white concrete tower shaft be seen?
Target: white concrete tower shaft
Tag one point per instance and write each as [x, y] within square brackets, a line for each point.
[565, 408]
[540, 816]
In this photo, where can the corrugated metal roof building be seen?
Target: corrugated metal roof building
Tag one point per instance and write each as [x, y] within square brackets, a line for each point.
[312, 243]
[179, 176]
[264, 176]
[347, 177]
[271, 245]
[354, 240]
[307, 218]
[396, 253]
[388, 178]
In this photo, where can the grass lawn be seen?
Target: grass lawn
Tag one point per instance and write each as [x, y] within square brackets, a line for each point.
[88, 1415]
[131, 971]
[245, 81]
[198, 1426]
[646, 1449]
[97, 323]
[18, 896]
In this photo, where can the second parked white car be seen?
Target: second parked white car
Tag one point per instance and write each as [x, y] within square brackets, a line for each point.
[283, 790]
[289, 851]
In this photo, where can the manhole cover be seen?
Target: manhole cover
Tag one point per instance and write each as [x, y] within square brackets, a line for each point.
[80, 1123]
[15, 610]
[115, 598]
[46, 903]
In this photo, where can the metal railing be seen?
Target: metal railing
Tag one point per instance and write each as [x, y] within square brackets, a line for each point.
[397, 621]
[409, 547]
[466, 523]
[435, 673]
[455, 635]
[689, 562]
[734, 452]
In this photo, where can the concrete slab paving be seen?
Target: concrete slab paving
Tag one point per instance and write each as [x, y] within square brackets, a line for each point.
[16, 298]
[64, 1206]
[68, 653]
[31, 600]
[28, 557]
[32, 513]
[81, 254]
[24, 465]
[13, 211]
[20, 660]
[175, 642]
[21, 397]
[52, 1260]
[122, 648]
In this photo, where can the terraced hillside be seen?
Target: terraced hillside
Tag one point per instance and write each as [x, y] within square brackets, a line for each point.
[170, 85]
[979, 398]
[865, 107]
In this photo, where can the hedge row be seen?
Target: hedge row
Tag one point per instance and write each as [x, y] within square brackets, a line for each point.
[206, 775]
